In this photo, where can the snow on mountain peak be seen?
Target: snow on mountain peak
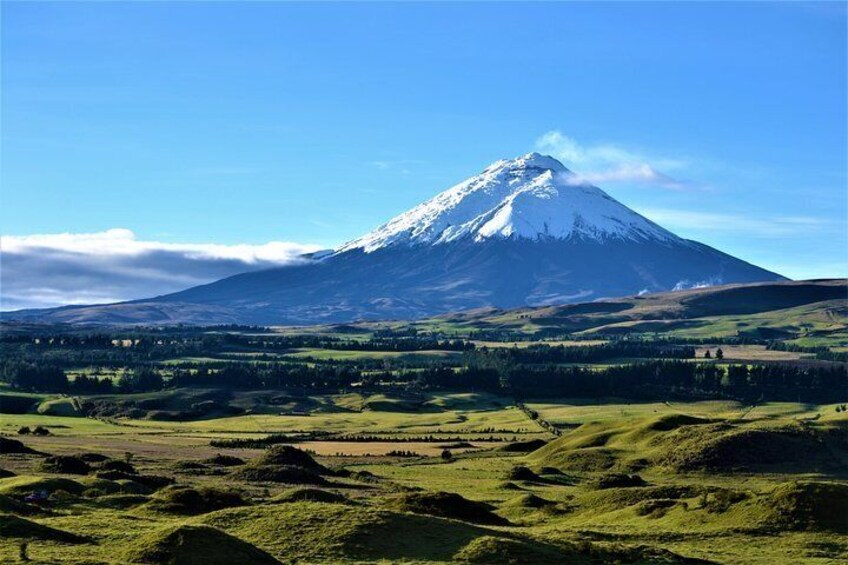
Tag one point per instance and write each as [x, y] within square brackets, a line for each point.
[530, 197]
[529, 161]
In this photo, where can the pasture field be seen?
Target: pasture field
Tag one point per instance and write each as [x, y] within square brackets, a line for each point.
[531, 343]
[325, 354]
[753, 353]
[570, 412]
[460, 414]
[615, 486]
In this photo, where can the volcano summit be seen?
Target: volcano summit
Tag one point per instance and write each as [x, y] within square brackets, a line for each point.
[523, 232]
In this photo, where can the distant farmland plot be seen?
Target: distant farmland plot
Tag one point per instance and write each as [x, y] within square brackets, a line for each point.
[326, 354]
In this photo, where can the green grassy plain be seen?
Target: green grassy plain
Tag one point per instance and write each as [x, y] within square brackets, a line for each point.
[721, 514]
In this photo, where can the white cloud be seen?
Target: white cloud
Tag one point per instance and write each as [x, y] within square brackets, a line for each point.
[121, 241]
[85, 268]
[609, 163]
[633, 173]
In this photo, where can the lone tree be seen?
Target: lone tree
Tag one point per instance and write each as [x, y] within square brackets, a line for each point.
[707, 355]
[447, 455]
[719, 353]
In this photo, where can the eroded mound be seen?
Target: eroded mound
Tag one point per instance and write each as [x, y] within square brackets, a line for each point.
[334, 533]
[283, 464]
[16, 527]
[122, 466]
[496, 550]
[522, 473]
[65, 465]
[191, 501]
[509, 485]
[24, 485]
[279, 474]
[8, 445]
[499, 549]
[618, 480]
[725, 448]
[523, 446]
[191, 467]
[224, 461]
[121, 501]
[190, 545]
[606, 500]
[813, 506]
[447, 505]
[153, 482]
[289, 456]
[311, 495]
[15, 506]
[529, 501]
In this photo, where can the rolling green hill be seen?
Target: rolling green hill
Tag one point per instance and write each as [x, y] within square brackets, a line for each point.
[815, 311]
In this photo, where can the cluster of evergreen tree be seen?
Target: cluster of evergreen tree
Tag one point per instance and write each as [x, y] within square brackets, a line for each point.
[645, 380]
[130, 349]
[33, 376]
[821, 352]
[106, 351]
[384, 343]
[143, 379]
[679, 379]
[540, 354]
[39, 363]
[91, 384]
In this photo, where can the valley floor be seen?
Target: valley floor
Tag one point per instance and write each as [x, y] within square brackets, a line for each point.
[622, 482]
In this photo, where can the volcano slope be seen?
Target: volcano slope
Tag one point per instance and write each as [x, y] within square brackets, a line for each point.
[523, 232]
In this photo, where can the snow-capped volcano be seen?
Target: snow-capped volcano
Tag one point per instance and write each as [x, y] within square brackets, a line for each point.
[524, 232]
[530, 197]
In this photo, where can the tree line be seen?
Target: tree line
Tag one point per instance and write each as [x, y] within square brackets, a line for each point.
[647, 380]
[543, 353]
[821, 352]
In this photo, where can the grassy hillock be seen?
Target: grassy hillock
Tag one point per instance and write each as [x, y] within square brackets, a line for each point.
[190, 545]
[320, 532]
[685, 443]
[446, 505]
[15, 527]
[185, 500]
[732, 447]
[310, 495]
[284, 464]
[814, 506]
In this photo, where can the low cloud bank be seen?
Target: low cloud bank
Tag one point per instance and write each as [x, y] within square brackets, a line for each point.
[40, 271]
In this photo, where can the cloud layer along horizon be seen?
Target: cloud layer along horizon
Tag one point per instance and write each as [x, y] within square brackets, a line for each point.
[41, 271]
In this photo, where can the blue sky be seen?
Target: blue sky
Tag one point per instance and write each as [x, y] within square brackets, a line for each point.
[244, 123]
